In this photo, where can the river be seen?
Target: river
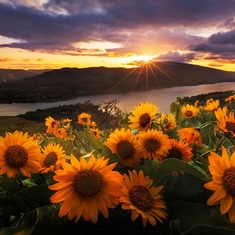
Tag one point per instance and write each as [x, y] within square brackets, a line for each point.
[126, 102]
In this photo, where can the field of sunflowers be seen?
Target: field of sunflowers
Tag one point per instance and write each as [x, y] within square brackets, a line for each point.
[156, 173]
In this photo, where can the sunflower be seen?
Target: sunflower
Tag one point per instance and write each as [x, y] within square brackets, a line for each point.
[190, 135]
[153, 144]
[189, 111]
[212, 105]
[123, 143]
[226, 120]
[61, 133]
[180, 150]
[141, 198]
[84, 119]
[53, 155]
[167, 121]
[86, 187]
[230, 98]
[197, 103]
[51, 124]
[95, 131]
[142, 116]
[19, 153]
[222, 169]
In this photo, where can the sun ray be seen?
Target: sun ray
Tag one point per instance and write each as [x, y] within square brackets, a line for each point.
[162, 71]
[146, 68]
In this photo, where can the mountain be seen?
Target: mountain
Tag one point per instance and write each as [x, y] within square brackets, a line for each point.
[67, 83]
[7, 75]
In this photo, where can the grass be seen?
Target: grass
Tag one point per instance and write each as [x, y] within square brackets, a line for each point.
[12, 123]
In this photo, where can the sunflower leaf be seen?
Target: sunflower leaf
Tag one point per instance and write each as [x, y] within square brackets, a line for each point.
[195, 218]
[158, 170]
[24, 225]
[96, 144]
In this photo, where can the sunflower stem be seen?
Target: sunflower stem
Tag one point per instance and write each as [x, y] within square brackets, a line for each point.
[220, 143]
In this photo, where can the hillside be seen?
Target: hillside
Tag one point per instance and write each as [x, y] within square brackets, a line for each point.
[7, 75]
[67, 83]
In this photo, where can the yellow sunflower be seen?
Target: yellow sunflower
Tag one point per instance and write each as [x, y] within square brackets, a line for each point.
[86, 187]
[123, 143]
[153, 144]
[142, 198]
[222, 169]
[51, 124]
[19, 153]
[197, 103]
[61, 132]
[84, 119]
[230, 99]
[53, 155]
[95, 131]
[142, 116]
[190, 135]
[180, 150]
[189, 111]
[167, 121]
[226, 120]
[212, 105]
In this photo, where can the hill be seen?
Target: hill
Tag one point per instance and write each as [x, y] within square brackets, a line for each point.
[67, 83]
[7, 75]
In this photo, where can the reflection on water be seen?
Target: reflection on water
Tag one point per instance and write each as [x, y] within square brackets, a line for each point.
[161, 97]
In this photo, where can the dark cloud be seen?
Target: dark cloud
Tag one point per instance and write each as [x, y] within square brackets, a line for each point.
[176, 56]
[223, 38]
[221, 44]
[58, 24]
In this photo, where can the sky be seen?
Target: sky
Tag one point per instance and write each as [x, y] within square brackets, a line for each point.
[50, 34]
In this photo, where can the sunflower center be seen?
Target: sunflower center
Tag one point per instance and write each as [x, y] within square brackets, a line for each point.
[230, 126]
[125, 149]
[188, 113]
[141, 197]
[166, 123]
[53, 124]
[151, 145]
[51, 159]
[229, 180]
[174, 153]
[85, 120]
[144, 120]
[16, 156]
[88, 183]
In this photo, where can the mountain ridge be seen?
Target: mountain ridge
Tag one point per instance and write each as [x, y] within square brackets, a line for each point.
[7, 75]
[67, 83]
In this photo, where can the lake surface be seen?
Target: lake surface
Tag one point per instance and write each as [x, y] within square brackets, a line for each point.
[126, 102]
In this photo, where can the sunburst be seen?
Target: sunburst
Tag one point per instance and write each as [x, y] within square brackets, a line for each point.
[144, 66]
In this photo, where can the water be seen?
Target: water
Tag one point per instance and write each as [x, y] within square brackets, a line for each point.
[126, 102]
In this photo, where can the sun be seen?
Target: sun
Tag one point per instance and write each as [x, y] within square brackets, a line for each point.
[145, 58]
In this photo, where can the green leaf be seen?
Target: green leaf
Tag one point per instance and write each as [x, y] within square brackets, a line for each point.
[24, 226]
[8, 184]
[48, 221]
[43, 220]
[158, 170]
[195, 218]
[98, 145]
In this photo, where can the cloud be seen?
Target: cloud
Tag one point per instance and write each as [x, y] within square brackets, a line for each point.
[220, 44]
[163, 25]
[176, 56]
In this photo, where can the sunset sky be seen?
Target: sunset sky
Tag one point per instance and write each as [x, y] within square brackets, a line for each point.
[46, 34]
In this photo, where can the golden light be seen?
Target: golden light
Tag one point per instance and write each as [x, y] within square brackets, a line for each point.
[145, 58]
